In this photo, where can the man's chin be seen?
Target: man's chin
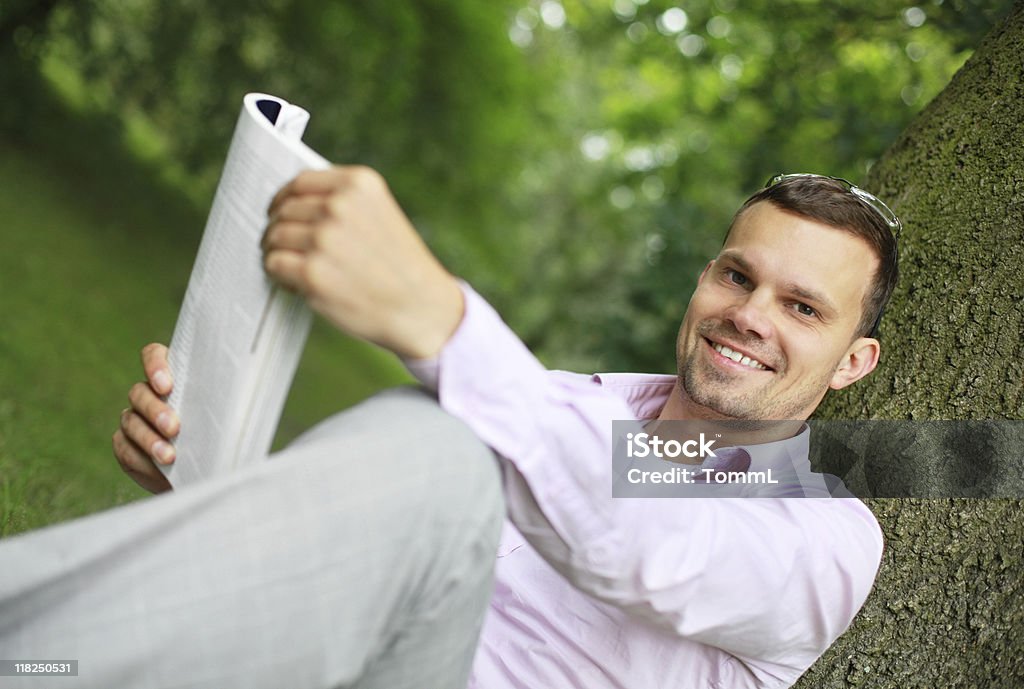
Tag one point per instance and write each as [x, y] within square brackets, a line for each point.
[724, 399]
[726, 410]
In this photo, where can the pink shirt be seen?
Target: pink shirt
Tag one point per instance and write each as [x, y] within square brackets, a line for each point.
[593, 591]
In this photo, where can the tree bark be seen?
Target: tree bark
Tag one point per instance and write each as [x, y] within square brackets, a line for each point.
[948, 607]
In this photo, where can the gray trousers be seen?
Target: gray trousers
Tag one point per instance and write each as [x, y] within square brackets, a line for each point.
[361, 556]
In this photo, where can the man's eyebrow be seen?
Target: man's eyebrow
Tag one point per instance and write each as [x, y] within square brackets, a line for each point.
[805, 293]
[816, 298]
[737, 259]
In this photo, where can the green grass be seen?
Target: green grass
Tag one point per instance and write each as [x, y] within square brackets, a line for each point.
[95, 253]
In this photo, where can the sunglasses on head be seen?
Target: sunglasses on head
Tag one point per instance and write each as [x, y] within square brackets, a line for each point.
[872, 201]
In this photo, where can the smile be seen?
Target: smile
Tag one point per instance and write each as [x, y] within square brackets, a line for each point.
[738, 357]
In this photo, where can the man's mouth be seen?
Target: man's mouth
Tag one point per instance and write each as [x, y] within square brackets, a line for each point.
[739, 357]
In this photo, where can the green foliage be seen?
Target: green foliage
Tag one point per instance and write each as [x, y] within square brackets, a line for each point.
[577, 161]
[386, 83]
[686, 109]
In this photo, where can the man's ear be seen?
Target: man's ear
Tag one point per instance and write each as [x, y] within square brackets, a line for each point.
[860, 360]
[700, 278]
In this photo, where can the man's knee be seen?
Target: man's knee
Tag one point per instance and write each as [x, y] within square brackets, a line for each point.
[404, 433]
[398, 410]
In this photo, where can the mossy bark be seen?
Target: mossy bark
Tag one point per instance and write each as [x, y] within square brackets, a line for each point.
[948, 607]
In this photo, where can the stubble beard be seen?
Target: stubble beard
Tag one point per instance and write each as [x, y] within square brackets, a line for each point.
[710, 388]
[705, 388]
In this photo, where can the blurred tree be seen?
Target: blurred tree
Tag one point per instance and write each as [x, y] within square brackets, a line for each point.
[24, 16]
[22, 23]
[576, 160]
[430, 92]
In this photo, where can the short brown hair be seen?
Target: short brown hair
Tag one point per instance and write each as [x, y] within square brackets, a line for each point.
[830, 201]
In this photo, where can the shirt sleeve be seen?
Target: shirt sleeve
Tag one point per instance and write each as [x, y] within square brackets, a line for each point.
[771, 580]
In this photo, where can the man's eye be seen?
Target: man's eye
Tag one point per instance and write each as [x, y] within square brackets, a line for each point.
[736, 277]
[806, 310]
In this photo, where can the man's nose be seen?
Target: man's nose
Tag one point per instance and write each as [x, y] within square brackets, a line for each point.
[752, 315]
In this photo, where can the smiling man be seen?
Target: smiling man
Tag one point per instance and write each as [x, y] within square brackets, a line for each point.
[789, 308]
[362, 556]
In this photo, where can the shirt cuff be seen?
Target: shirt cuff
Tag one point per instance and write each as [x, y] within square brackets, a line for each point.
[426, 371]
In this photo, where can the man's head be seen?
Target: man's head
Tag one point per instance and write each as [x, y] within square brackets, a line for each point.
[837, 203]
[794, 294]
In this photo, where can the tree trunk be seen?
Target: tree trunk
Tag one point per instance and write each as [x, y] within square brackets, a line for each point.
[948, 607]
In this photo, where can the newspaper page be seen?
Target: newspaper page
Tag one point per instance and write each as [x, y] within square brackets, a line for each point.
[238, 338]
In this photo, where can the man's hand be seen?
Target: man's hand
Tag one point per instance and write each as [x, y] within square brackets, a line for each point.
[339, 238]
[148, 424]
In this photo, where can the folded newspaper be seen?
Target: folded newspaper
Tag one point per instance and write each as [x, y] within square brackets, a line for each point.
[238, 339]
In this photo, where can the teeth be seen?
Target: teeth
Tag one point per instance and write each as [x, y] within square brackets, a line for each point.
[739, 358]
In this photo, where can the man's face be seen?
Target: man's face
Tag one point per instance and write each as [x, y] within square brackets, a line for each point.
[786, 293]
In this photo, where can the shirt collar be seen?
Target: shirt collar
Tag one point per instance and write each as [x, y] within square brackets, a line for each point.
[647, 393]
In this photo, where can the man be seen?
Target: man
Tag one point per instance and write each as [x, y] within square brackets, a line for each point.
[590, 591]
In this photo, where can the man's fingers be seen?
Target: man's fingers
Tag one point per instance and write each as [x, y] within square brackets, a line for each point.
[138, 465]
[309, 182]
[154, 363]
[300, 209]
[154, 410]
[319, 182]
[289, 236]
[138, 430]
[287, 268]
[139, 423]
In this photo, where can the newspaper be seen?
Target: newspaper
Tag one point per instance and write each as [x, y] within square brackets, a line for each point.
[238, 338]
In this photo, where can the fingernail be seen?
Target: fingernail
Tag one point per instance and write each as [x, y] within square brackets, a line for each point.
[164, 420]
[163, 451]
[162, 379]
